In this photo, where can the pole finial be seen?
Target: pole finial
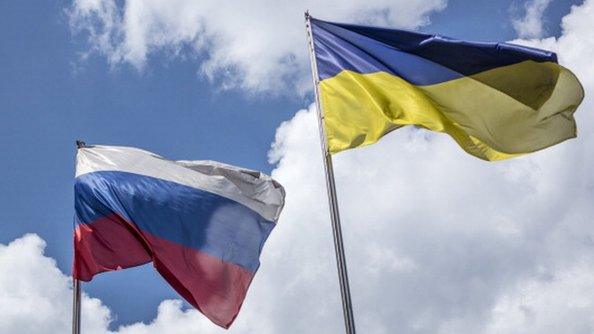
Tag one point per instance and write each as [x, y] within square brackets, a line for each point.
[80, 143]
[307, 16]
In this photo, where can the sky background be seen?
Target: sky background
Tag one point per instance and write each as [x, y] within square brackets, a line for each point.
[453, 245]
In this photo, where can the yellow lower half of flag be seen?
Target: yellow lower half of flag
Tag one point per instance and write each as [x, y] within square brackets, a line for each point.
[493, 115]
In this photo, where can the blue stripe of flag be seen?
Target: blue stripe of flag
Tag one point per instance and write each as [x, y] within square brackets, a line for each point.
[185, 215]
[420, 59]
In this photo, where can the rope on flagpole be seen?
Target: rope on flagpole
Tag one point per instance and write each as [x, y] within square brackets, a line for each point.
[76, 284]
[345, 291]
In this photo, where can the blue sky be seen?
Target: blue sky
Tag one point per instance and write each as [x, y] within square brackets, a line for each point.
[55, 89]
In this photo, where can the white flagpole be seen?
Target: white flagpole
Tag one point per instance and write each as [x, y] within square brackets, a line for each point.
[345, 292]
[76, 285]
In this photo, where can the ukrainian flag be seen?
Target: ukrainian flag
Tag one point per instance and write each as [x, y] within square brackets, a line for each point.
[496, 100]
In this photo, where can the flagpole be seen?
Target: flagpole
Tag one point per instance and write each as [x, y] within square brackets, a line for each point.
[76, 284]
[345, 292]
[75, 306]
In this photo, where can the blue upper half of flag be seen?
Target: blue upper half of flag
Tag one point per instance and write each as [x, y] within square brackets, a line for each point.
[421, 59]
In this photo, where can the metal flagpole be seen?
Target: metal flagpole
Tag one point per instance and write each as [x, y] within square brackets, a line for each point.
[345, 292]
[75, 306]
[76, 285]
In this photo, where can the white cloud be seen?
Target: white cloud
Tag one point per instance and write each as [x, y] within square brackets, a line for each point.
[560, 304]
[531, 25]
[437, 241]
[252, 45]
[35, 296]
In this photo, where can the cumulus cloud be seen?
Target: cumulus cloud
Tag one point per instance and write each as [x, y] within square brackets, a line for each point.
[35, 296]
[437, 241]
[560, 304]
[531, 25]
[252, 45]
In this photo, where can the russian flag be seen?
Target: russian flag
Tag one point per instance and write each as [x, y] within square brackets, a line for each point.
[203, 224]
